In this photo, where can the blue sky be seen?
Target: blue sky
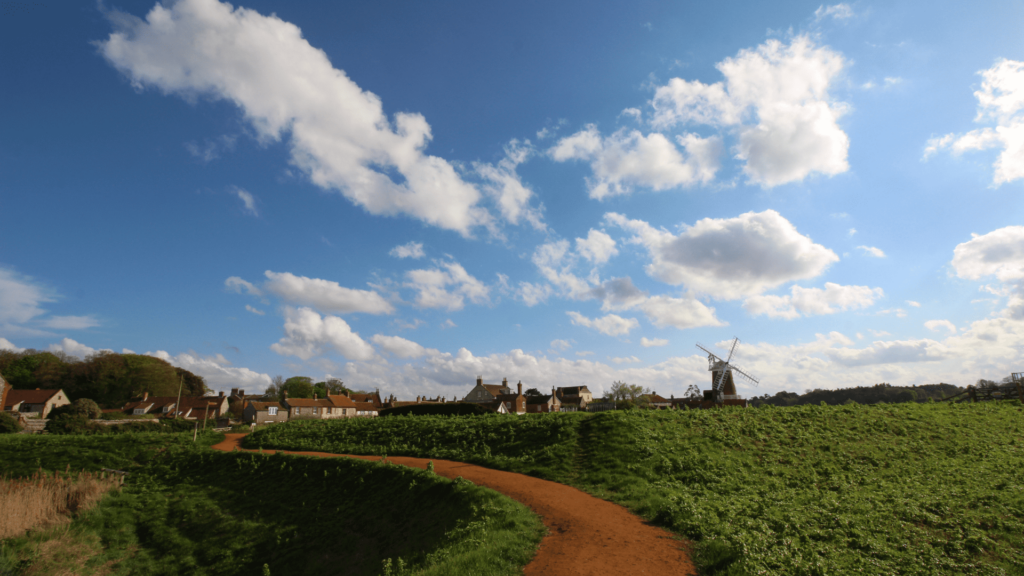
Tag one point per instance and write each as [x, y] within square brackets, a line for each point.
[405, 197]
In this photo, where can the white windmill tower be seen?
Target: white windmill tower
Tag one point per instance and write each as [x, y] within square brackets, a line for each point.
[722, 385]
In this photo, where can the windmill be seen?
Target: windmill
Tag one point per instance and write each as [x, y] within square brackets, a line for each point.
[721, 374]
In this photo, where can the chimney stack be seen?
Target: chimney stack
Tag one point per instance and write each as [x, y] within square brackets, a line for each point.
[479, 380]
[520, 387]
[220, 394]
[314, 395]
[145, 395]
[286, 395]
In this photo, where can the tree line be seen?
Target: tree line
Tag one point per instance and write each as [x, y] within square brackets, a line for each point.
[109, 378]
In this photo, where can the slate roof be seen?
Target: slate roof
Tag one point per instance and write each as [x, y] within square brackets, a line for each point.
[539, 399]
[573, 390]
[261, 406]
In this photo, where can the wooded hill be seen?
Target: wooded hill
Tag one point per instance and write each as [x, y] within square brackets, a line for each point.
[109, 378]
[861, 395]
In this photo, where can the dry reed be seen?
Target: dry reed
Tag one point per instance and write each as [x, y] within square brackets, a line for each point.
[43, 499]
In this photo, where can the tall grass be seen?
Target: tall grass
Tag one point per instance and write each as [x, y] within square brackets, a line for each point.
[43, 500]
[880, 489]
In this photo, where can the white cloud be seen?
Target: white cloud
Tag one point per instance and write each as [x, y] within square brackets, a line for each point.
[999, 253]
[851, 232]
[6, 344]
[597, 247]
[730, 258]
[585, 353]
[210, 150]
[254, 310]
[432, 287]
[72, 348]
[21, 297]
[248, 201]
[1000, 102]
[913, 304]
[890, 352]
[555, 263]
[625, 360]
[872, 251]
[412, 250]
[308, 335]
[937, 325]
[651, 342]
[627, 159]
[681, 313]
[611, 324]
[813, 301]
[448, 324]
[237, 285]
[399, 346]
[838, 12]
[786, 87]
[217, 371]
[325, 295]
[71, 322]
[899, 312]
[508, 190]
[339, 134]
[560, 345]
[533, 294]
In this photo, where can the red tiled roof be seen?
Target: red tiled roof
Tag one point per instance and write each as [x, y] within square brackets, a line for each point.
[29, 396]
[494, 389]
[366, 406]
[260, 406]
[372, 397]
[341, 401]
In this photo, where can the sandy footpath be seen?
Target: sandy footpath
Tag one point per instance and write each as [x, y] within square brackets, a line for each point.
[587, 535]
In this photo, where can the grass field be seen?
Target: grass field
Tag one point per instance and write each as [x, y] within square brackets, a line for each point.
[187, 510]
[882, 489]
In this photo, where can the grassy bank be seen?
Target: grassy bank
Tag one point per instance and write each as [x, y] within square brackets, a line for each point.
[882, 489]
[189, 510]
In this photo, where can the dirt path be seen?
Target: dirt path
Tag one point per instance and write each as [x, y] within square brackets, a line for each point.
[587, 536]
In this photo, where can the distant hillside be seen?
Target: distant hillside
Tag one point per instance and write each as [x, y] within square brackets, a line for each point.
[861, 395]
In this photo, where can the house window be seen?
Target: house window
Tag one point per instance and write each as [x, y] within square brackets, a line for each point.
[314, 410]
[138, 411]
[272, 411]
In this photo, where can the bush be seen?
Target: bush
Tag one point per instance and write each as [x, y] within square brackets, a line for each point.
[71, 424]
[81, 407]
[113, 416]
[448, 409]
[9, 424]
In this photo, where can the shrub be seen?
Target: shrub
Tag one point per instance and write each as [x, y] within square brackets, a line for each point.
[81, 407]
[71, 424]
[114, 416]
[9, 424]
[448, 409]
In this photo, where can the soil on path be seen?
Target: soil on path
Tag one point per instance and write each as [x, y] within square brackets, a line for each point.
[586, 535]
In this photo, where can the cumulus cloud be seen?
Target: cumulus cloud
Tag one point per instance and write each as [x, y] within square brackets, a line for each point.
[651, 342]
[625, 360]
[76, 349]
[325, 295]
[254, 310]
[1000, 104]
[555, 261]
[611, 324]
[560, 345]
[412, 250]
[217, 371]
[532, 294]
[937, 325]
[681, 313]
[627, 159]
[813, 301]
[837, 11]
[913, 304]
[872, 251]
[248, 201]
[999, 253]
[339, 134]
[504, 185]
[446, 286]
[785, 90]
[730, 258]
[71, 322]
[6, 344]
[399, 346]
[597, 247]
[307, 334]
[239, 286]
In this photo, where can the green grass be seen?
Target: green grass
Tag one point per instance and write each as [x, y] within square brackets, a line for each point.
[882, 489]
[188, 510]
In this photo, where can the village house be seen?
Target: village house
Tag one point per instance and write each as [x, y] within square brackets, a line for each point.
[257, 412]
[188, 407]
[544, 403]
[371, 397]
[33, 403]
[366, 409]
[487, 392]
[331, 407]
[655, 401]
[578, 396]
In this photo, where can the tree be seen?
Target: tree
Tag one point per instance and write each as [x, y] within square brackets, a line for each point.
[624, 391]
[191, 384]
[81, 407]
[275, 388]
[693, 393]
[532, 392]
[333, 385]
[298, 387]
